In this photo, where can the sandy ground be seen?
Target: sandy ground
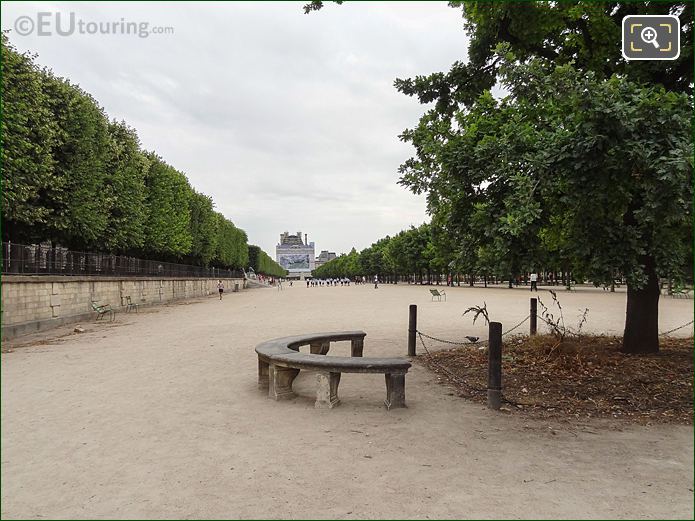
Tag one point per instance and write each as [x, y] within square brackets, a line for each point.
[159, 416]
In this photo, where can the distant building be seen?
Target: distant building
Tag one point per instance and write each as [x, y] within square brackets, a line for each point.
[295, 255]
[324, 257]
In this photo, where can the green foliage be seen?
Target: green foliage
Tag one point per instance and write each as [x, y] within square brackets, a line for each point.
[73, 177]
[254, 257]
[203, 229]
[224, 254]
[584, 33]
[261, 262]
[231, 247]
[240, 248]
[126, 170]
[167, 230]
[586, 166]
[411, 252]
[80, 204]
[520, 177]
[315, 5]
[268, 266]
[28, 135]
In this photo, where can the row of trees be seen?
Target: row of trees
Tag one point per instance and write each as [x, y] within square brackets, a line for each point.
[585, 164]
[261, 262]
[76, 178]
[424, 253]
[408, 255]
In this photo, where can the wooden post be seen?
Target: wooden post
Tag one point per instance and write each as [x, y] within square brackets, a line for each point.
[412, 329]
[534, 316]
[494, 366]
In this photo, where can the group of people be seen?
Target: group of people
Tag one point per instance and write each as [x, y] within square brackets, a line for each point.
[345, 281]
[358, 280]
[327, 282]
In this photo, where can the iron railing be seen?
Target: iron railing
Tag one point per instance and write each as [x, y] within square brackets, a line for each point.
[44, 259]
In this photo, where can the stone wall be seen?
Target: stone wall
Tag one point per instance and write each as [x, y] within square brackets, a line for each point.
[35, 303]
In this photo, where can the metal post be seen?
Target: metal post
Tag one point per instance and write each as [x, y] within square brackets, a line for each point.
[534, 316]
[494, 366]
[412, 329]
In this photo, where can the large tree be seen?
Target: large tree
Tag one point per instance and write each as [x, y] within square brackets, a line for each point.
[167, 229]
[585, 33]
[73, 177]
[599, 171]
[127, 168]
[79, 201]
[599, 177]
[204, 232]
[28, 136]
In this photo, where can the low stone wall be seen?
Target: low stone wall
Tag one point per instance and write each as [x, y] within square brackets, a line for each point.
[35, 303]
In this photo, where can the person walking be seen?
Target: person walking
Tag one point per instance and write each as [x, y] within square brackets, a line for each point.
[220, 288]
[376, 281]
[534, 281]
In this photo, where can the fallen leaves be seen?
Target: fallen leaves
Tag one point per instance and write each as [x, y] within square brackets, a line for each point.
[589, 378]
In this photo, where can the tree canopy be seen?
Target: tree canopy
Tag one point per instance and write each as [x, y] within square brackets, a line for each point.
[76, 178]
[261, 262]
[585, 162]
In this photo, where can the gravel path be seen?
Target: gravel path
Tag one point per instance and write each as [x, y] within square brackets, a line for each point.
[159, 416]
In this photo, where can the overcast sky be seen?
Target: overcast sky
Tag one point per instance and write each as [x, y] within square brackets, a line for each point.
[289, 121]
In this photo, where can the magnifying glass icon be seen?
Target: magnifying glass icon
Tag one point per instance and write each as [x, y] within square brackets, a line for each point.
[648, 35]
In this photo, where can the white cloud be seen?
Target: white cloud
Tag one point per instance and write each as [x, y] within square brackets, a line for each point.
[289, 121]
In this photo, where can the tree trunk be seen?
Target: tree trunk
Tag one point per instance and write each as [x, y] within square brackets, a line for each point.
[642, 316]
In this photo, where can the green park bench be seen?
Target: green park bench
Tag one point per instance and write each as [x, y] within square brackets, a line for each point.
[103, 310]
[438, 294]
[130, 304]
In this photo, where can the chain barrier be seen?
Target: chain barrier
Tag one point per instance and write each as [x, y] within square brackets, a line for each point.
[451, 375]
[518, 325]
[660, 334]
[476, 343]
[676, 328]
[451, 341]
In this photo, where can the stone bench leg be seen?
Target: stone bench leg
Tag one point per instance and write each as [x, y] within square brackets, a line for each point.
[327, 390]
[280, 382]
[395, 391]
[262, 374]
[356, 346]
[320, 348]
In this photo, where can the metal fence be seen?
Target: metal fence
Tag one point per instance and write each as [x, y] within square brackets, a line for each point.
[44, 259]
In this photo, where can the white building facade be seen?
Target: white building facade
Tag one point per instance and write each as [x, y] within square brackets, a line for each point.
[297, 256]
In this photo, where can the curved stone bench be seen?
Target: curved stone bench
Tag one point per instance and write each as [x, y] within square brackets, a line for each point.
[279, 363]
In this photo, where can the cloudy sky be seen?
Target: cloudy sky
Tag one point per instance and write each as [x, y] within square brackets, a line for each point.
[289, 121]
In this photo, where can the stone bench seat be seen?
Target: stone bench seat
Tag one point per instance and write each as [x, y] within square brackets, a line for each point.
[279, 363]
